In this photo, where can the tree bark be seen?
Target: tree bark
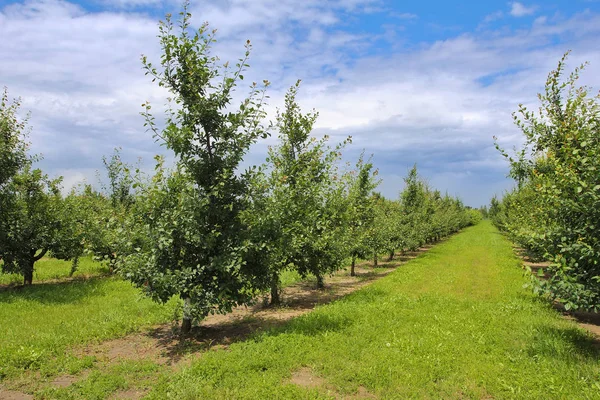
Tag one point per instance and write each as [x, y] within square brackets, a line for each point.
[186, 326]
[320, 282]
[352, 272]
[186, 323]
[28, 272]
[39, 256]
[74, 266]
[374, 259]
[111, 264]
[28, 267]
[275, 300]
[391, 257]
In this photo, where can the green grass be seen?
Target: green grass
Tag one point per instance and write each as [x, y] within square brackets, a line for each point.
[454, 323]
[288, 278]
[48, 269]
[39, 323]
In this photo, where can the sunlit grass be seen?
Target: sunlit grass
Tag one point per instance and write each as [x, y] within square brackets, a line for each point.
[38, 323]
[52, 269]
[454, 323]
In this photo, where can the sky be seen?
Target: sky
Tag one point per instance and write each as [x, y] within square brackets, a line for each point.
[413, 82]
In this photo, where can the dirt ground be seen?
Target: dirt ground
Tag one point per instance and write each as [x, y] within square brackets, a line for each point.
[163, 344]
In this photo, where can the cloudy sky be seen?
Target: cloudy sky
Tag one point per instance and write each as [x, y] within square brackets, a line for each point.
[425, 82]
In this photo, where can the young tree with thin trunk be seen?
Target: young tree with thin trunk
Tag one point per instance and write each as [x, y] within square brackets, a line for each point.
[109, 212]
[413, 199]
[196, 241]
[298, 209]
[362, 233]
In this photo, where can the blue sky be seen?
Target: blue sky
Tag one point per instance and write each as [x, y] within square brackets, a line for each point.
[427, 82]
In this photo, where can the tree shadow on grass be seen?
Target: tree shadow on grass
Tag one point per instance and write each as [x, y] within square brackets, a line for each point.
[175, 347]
[165, 345]
[260, 320]
[16, 285]
[57, 292]
[565, 344]
[587, 320]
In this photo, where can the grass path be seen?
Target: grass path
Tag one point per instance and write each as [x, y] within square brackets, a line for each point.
[454, 323]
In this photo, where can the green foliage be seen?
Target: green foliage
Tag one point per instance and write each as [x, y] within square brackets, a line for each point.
[555, 210]
[297, 216]
[108, 214]
[484, 212]
[453, 323]
[13, 147]
[426, 215]
[34, 218]
[120, 187]
[361, 229]
[193, 239]
[388, 225]
[474, 216]
[36, 221]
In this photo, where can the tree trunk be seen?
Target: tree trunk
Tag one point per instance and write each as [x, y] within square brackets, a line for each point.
[186, 323]
[275, 300]
[320, 282]
[28, 267]
[28, 272]
[391, 257]
[186, 326]
[74, 266]
[352, 272]
[374, 259]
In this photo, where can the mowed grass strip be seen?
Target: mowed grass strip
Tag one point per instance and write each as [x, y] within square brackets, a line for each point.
[38, 324]
[454, 323]
[41, 324]
[50, 269]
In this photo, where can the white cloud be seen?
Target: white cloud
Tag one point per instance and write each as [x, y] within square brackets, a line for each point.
[493, 17]
[519, 10]
[404, 15]
[436, 104]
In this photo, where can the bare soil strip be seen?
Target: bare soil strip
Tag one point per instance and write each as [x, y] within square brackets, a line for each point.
[14, 395]
[163, 344]
[305, 378]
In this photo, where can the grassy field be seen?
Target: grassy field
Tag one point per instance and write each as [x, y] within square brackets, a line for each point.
[454, 323]
[40, 322]
[49, 269]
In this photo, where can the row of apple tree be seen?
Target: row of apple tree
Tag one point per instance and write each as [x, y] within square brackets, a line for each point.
[203, 229]
[554, 210]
